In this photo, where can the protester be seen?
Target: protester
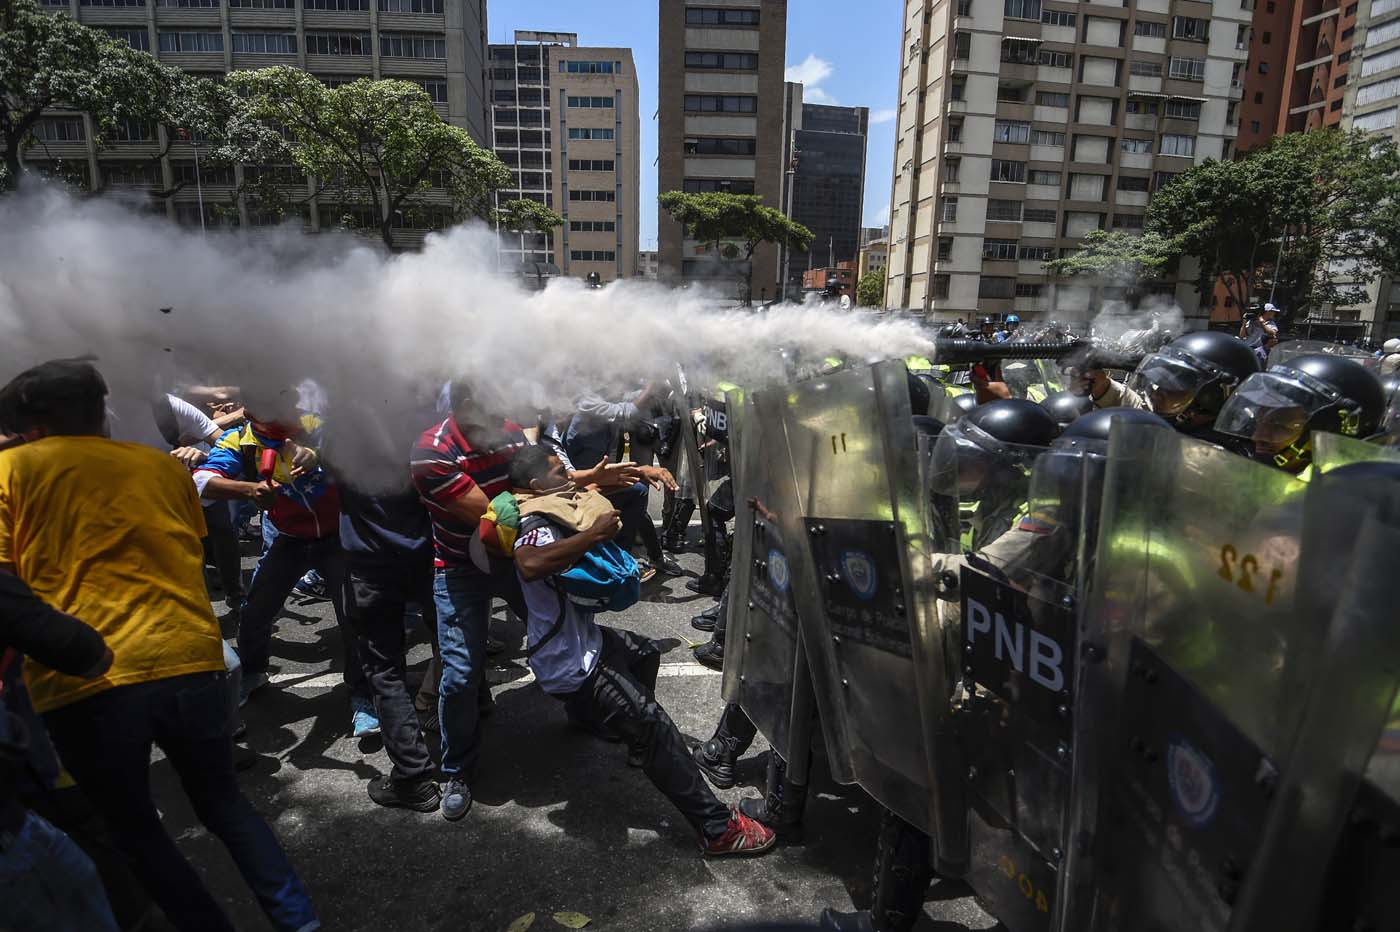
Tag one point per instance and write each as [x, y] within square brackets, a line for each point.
[608, 675]
[109, 532]
[458, 466]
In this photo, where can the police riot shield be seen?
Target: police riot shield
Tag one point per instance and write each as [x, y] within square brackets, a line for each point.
[765, 668]
[1194, 671]
[860, 575]
[1283, 352]
[1012, 521]
[1331, 451]
[692, 473]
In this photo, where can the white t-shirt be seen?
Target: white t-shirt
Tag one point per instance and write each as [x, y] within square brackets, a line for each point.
[136, 421]
[567, 658]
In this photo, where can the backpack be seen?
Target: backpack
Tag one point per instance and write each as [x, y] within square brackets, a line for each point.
[605, 579]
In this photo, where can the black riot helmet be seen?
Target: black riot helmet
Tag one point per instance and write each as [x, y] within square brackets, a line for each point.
[1015, 420]
[1065, 406]
[919, 394]
[1096, 425]
[1188, 380]
[965, 403]
[1279, 409]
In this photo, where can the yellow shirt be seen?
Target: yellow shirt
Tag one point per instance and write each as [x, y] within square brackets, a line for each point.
[110, 532]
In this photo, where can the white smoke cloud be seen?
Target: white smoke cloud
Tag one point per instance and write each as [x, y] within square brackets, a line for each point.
[379, 333]
[883, 115]
[811, 71]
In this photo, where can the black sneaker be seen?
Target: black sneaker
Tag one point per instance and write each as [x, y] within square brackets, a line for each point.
[706, 620]
[716, 761]
[421, 795]
[710, 654]
[706, 585]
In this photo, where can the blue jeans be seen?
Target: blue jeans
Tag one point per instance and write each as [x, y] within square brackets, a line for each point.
[105, 742]
[463, 600]
[46, 882]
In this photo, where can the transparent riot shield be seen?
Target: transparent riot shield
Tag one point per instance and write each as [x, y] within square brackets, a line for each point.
[1193, 666]
[692, 472]
[1012, 521]
[1291, 349]
[1331, 451]
[862, 585]
[765, 668]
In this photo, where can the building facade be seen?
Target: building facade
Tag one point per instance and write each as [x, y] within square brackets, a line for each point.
[1320, 36]
[565, 119]
[1025, 124]
[828, 190]
[438, 44]
[720, 125]
[874, 256]
[646, 264]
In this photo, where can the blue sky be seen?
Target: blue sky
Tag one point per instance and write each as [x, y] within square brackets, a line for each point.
[844, 51]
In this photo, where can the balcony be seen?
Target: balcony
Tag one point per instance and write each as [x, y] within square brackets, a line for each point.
[953, 147]
[1236, 90]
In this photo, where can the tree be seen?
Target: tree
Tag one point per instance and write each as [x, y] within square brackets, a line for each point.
[870, 290]
[1118, 256]
[526, 215]
[1315, 212]
[733, 226]
[378, 148]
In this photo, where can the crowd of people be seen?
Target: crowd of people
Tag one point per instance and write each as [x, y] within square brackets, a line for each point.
[113, 553]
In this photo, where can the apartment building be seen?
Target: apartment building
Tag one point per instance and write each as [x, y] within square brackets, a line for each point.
[565, 119]
[720, 124]
[828, 184]
[1025, 124]
[438, 44]
[1315, 71]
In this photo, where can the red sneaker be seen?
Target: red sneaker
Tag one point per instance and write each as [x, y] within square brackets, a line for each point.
[743, 836]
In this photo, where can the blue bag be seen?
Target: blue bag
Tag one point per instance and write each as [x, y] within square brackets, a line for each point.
[605, 579]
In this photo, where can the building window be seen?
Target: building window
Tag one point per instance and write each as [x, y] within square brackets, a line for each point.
[1161, 179]
[962, 45]
[1040, 176]
[945, 247]
[964, 7]
[1028, 289]
[1145, 69]
[590, 165]
[940, 287]
[1348, 33]
[722, 61]
[723, 185]
[1184, 109]
[132, 131]
[1263, 68]
[1381, 90]
[955, 128]
[408, 46]
[1131, 222]
[707, 145]
[720, 103]
[592, 226]
[1051, 99]
[196, 42]
[1336, 105]
[1266, 37]
[957, 88]
[1178, 145]
[436, 89]
[113, 3]
[1190, 69]
[1004, 210]
[950, 209]
[264, 4]
[184, 173]
[1034, 254]
[592, 255]
[410, 6]
[1011, 131]
[269, 43]
[604, 195]
[338, 43]
[1044, 137]
[60, 129]
[1038, 215]
[1132, 183]
[996, 287]
[190, 4]
[1142, 105]
[136, 38]
[1152, 30]
[1340, 82]
[1190, 28]
[1052, 59]
[1057, 18]
[1254, 126]
[999, 250]
[1016, 51]
[131, 173]
[337, 6]
[1004, 170]
[590, 67]
[1013, 93]
[1023, 9]
[595, 103]
[709, 16]
[585, 132]
[1136, 146]
[951, 169]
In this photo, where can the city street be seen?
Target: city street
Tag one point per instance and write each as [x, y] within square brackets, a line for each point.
[560, 823]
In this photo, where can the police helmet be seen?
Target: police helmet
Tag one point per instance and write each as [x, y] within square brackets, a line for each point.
[1012, 319]
[1277, 410]
[966, 403]
[1065, 406]
[919, 394]
[1015, 420]
[1098, 424]
[1192, 375]
[1391, 346]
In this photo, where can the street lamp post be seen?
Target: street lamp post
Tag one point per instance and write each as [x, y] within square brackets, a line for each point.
[198, 184]
[787, 250]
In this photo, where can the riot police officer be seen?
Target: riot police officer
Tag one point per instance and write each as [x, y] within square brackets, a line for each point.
[1278, 410]
[1066, 406]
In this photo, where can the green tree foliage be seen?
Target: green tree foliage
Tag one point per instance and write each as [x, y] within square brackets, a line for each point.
[870, 290]
[1117, 256]
[378, 145]
[733, 226]
[526, 216]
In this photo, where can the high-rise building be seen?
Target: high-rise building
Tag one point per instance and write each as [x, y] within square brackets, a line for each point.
[1314, 78]
[564, 118]
[1025, 124]
[828, 190]
[720, 123]
[438, 44]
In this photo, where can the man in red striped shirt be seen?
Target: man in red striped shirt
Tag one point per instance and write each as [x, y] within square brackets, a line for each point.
[458, 466]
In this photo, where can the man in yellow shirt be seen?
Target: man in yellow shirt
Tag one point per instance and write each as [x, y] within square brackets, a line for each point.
[110, 532]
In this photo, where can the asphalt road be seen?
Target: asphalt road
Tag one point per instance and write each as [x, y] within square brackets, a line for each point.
[560, 823]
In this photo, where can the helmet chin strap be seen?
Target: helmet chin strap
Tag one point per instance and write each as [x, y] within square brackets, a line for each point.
[1297, 453]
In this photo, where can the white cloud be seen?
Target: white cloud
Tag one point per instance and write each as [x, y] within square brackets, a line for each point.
[882, 217]
[815, 95]
[883, 115]
[813, 70]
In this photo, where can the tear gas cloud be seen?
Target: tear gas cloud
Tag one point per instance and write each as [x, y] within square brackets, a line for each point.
[267, 309]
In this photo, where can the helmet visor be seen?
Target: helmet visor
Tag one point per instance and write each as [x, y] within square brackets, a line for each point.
[1168, 383]
[1270, 409]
